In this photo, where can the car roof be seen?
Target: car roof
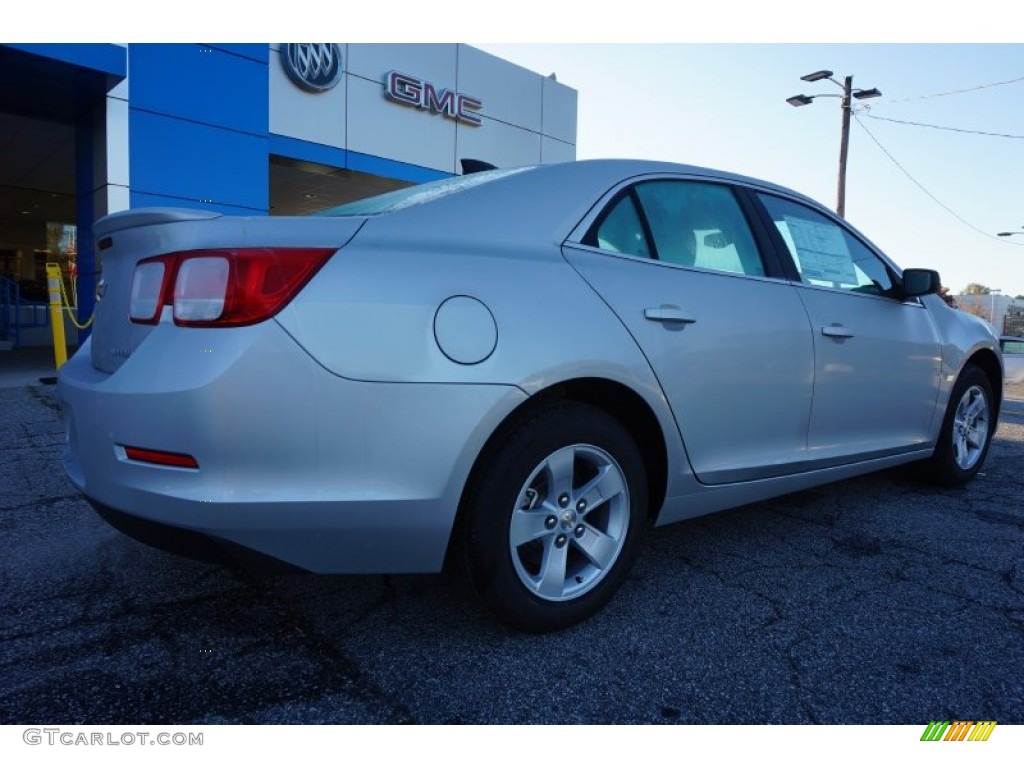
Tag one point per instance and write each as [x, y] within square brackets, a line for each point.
[615, 169]
[539, 205]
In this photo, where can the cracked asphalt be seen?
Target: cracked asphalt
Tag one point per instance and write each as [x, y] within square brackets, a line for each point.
[876, 600]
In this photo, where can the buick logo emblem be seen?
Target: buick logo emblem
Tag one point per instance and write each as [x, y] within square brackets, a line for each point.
[312, 66]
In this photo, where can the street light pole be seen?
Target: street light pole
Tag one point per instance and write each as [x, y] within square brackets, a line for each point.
[844, 143]
[844, 146]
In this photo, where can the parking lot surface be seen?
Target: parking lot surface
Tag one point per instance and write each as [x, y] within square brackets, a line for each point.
[876, 600]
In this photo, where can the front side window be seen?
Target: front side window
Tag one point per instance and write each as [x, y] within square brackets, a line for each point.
[825, 253]
[692, 224]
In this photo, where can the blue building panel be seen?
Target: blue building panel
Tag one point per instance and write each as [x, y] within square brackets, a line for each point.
[143, 200]
[310, 151]
[202, 83]
[255, 51]
[204, 164]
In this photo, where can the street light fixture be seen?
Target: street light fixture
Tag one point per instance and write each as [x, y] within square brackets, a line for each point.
[1009, 234]
[821, 74]
[866, 93]
[803, 100]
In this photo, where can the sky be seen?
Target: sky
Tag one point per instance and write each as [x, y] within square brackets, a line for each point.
[724, 106]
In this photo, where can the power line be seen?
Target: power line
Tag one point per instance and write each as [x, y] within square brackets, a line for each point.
[867, 113]
[953, 93]
[920, 186]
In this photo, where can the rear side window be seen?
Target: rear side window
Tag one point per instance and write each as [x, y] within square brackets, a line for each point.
[825, 253]
[689, 223]
[622, 231]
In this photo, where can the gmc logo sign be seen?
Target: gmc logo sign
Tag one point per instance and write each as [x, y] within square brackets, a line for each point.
[409, 90]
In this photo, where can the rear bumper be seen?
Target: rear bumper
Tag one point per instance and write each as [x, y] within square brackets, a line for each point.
[190, 544]
[298, 464]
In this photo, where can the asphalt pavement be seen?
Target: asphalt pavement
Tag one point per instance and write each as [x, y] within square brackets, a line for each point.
[876, 600]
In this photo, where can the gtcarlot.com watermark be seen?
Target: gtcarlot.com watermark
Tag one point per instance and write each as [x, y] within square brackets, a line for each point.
[73, 738]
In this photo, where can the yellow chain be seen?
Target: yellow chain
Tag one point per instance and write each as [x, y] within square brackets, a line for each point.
[67, 308]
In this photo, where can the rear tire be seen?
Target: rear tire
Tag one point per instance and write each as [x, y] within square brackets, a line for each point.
[555, 517]
[966, 432]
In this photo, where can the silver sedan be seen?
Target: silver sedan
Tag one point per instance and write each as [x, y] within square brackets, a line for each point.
[515, 371]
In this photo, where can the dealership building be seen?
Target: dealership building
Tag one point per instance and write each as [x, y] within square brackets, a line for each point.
[248, 129]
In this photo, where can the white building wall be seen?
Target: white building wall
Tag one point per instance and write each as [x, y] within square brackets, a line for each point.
[396, 132]
[526, 118]
[111, 151]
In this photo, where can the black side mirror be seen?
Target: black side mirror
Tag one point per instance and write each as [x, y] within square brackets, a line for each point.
[920, 282]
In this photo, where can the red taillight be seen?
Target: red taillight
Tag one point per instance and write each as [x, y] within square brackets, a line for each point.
[165, 458]
[232, 286]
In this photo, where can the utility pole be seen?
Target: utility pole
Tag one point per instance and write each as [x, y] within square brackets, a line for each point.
[803, 100]
[844, 147]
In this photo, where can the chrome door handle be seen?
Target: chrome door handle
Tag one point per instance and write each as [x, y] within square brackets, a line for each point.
[668, 314]
[836, 331]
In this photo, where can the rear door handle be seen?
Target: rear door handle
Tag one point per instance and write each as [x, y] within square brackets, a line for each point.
[836, 331]
[668, 314]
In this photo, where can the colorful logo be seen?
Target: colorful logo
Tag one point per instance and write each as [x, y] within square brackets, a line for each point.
[958, 730]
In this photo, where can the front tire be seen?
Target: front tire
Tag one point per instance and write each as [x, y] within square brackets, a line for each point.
[966, 430]
[554, 518]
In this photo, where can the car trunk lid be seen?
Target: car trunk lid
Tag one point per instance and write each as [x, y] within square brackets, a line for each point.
[126, 238]
[123, 239]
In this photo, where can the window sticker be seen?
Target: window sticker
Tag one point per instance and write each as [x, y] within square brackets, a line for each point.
[823, 252]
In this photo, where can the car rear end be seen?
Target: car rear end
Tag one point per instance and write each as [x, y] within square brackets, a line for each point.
[197, 423]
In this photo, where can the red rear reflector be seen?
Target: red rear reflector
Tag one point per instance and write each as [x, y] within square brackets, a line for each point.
[166, 458]
[105, 243]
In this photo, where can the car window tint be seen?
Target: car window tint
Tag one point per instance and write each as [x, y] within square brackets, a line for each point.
[699, 225]
[621, 230]
[825, 253]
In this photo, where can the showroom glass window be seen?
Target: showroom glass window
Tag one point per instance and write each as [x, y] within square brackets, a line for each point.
[691, 224]
[825, 253]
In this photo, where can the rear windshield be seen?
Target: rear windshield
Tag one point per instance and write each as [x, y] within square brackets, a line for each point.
[416, 195]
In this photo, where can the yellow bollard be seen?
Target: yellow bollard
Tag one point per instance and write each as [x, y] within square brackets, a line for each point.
[60, 345]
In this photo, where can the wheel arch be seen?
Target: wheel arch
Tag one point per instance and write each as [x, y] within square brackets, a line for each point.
[986, 360]
[612, 397]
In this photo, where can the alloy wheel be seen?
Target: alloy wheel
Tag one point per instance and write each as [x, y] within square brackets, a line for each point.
[570, 522]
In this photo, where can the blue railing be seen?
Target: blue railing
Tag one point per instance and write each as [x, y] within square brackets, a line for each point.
[13, 312]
